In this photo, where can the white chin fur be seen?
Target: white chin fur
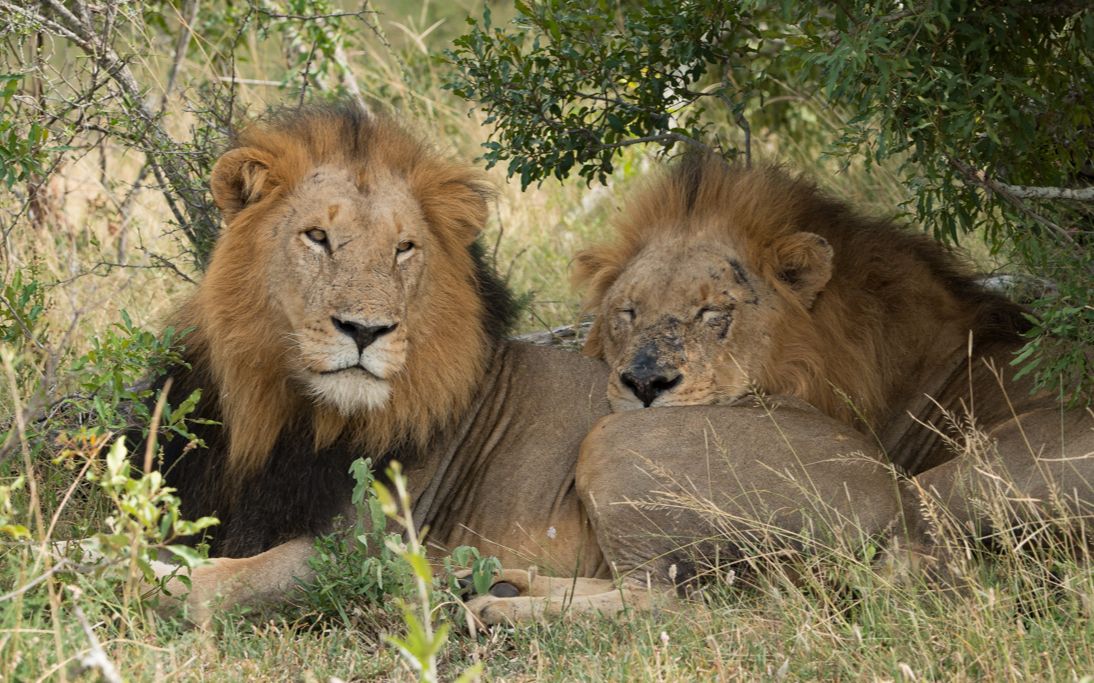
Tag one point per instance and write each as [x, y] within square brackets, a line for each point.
[351, 394]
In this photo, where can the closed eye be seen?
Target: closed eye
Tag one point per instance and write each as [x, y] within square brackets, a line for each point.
[625, 314]
[318, 236]
[714, 316]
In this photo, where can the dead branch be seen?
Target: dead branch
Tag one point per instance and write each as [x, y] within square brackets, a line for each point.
[199, 221]
[1078, 194]
[1003, 191]
[35, 581]
[96, 658]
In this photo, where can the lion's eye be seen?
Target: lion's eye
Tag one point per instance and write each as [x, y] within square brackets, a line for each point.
[318, 236]
[709, 315]
[626, 314]
[403, 248]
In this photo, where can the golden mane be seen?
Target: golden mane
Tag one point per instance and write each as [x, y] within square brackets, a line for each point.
[234, 345]
[894, 297]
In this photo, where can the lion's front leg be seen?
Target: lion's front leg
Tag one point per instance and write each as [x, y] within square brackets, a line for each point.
[226, 582]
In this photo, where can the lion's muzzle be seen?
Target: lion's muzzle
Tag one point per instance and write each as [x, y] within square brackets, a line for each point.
[362, 335]
[647, 378]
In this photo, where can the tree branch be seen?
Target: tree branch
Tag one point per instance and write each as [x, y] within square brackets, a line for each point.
[200, 222]
[1078, 194]
[1003, 191]
[662, 138]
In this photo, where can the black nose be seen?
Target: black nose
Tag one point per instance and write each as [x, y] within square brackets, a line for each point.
[647, 384]
[362, 335]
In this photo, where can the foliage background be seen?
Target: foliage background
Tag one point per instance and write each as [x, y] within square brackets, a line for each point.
[112, 113]
[982, 109]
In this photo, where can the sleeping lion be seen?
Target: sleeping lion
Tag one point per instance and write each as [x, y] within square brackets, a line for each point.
[723, 282]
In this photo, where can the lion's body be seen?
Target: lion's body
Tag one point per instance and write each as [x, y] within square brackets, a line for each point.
[723, 281]
[346, 312]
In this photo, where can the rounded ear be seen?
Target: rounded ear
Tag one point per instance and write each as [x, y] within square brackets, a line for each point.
[458, 206]
[803, 262]
[240, 178]
[595, 269]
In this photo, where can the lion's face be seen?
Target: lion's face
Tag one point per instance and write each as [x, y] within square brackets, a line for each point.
[685, 324]
[344, 291]
[345, 264]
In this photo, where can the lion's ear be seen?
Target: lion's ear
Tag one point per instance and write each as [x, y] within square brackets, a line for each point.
[803, 261]
[458, 206]
[240, 177]
[595, 270]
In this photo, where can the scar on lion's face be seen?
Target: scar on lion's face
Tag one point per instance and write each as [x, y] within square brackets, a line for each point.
[684, 324]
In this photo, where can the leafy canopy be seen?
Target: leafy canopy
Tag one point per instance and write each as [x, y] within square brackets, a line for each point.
[985, 107]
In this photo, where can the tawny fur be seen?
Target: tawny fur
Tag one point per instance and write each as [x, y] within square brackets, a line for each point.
[895, 299]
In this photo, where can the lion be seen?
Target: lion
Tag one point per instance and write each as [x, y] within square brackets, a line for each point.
[348, 311]
[724, 281]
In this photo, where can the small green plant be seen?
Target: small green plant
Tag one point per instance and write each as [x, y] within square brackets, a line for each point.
[145, 518]
[361, 567]
[24, 303]
[422, 641]
[22, 143]
[110, 376]
[367, 567]
[8, 526]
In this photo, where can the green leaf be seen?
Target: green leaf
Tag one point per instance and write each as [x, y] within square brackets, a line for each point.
[188, 556]
[16, 531]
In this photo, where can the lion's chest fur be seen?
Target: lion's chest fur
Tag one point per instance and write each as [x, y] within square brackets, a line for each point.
[504, 479]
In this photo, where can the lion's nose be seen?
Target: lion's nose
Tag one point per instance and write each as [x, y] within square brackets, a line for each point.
[649, 383]
[361, 334]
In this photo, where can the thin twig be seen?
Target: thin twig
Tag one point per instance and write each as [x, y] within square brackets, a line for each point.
[662, 138]
[971, 175]
[35, 581]
[314, 17]
[95, 659]
[741, 121]
[154, 426]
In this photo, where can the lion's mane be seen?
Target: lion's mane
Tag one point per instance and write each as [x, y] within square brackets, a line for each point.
[893, 299]
[276, 464]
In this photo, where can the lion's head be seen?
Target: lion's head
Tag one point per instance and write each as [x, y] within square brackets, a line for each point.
[721, 280]
[346, 285]
[686, 310]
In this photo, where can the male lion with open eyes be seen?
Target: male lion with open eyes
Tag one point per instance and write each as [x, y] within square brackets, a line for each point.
[723, 281]
[347, 311]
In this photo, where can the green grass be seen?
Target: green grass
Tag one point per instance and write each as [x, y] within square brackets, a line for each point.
[1010, 625]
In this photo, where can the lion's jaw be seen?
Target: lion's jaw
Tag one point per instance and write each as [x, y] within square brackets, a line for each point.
[344, 297]
[690, 335]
